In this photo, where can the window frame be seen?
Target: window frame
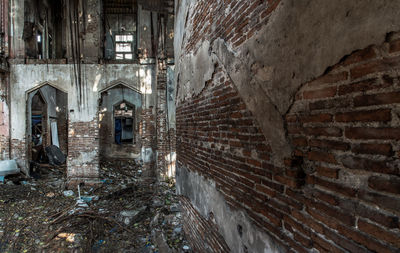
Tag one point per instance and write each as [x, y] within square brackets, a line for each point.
[133, 117]
[131, 42]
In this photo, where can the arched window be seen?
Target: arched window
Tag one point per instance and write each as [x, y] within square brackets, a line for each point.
[124, 123]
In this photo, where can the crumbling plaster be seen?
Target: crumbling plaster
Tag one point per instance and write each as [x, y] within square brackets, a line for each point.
[204, 195]
[267, 69]
[97, 77]
[27, 77]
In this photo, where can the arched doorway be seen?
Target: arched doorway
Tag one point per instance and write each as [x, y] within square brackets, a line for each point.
[119, 120]
[47, 123]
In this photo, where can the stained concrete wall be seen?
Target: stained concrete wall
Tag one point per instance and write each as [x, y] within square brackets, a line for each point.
[25, 78]
[300, 40]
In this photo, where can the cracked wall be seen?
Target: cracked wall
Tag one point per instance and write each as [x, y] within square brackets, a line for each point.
[239, 68]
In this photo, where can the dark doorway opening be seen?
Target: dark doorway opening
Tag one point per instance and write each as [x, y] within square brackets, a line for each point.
[47, 124]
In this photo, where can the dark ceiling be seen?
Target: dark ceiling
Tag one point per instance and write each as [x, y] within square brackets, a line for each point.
[120, 6]
[130, 6]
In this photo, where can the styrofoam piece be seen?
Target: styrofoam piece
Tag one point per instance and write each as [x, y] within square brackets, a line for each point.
[8, 167]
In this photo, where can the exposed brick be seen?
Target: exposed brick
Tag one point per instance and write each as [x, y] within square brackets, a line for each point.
[377, 99]
[329, 144]
[330, 78]
[372, 133]
[364, 116]
[360, 55]
[375, 66]
[359, 163]
[373, 149]
[321, 157]
[379, 233]
[368, 241]
[301, 141]
[327, 172]
[321, 93]
[219, 139]
[382, 200]
[389, 221]
[333, 186]
[324, 117]
[394, 46]
[366, 85]
[342, 102]
[323, 131]
[198, 229]
[391, 184]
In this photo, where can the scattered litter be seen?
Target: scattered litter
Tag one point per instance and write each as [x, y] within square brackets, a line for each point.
[50, 194]
[68, 193]
[124, 213]
[8, 167]
[55, 155]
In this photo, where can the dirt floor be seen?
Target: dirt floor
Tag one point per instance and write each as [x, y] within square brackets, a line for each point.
[124, 213]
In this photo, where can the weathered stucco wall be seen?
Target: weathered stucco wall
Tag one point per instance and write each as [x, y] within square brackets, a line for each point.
[267, 50]
[25, 78]
[297, 43]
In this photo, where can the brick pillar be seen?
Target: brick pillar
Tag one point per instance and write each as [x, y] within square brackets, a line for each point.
[83, 152]
[148, 142]
[162, 134]
[4, 122]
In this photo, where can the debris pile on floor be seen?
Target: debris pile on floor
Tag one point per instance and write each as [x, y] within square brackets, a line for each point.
[124, 213]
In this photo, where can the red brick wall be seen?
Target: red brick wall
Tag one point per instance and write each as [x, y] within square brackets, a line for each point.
[235, 26]
[4, 131]
[345, 126]
[340, 189]
[83, 150]
[18, 152]
[162, 134]
[202, 234]
[62, 125]
[4, 119]
[148, 133]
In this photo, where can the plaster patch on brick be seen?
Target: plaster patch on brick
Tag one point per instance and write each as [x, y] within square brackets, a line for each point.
[197, 69]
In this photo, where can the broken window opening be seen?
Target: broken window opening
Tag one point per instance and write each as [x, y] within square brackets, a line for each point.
[124, 46]
[44, 29]
[120, 26]
[40, 45]
[124, 119]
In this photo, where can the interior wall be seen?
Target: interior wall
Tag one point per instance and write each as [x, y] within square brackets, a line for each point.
[85, 75]
[239, 68]
[83, 140]
[62, 120]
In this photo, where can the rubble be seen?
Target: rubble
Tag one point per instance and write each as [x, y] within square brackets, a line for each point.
[124, 213]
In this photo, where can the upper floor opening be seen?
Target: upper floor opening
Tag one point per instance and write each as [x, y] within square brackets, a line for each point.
[120, 26]
[107, 31]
